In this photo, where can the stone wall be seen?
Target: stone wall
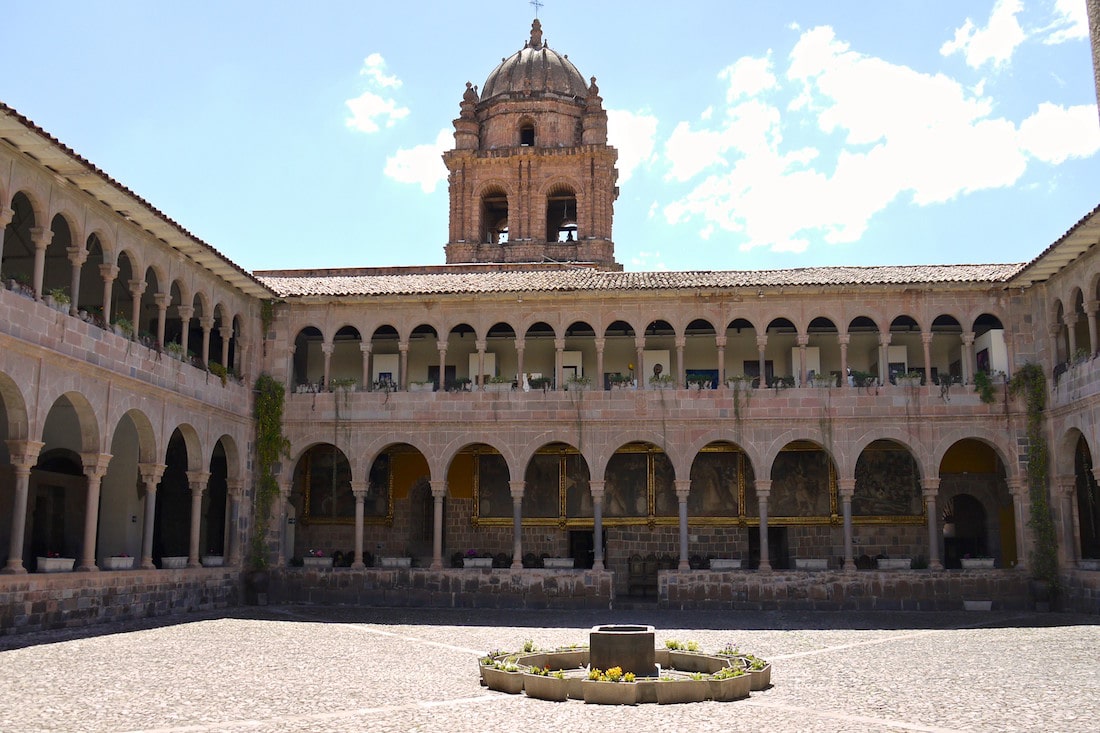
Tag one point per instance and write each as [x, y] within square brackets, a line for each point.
[865, 590]
[40, 601]
[458, 588]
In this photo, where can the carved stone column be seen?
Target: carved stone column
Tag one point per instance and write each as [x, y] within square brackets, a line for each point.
[803, 340]
[1090, 313]
[326, 350]
[368, 377]
[761, 347]
[1017, 487]
[234, 492]
[281, 514]
[137, 288]
[1071, 332]
[968, 356]
[639, 360]
[77, 257]
[403, 375]
[109, 273]
[517, 523]
[196, 481]
[559, 363]
[600, 342]
[151, 474]
[681, 372]
[207, 324]
[597, 487]
[926, 344]
[439, 490]
[844, 339]
[521, 374]
[23, 455]
[185, 312]
[846, 488]
[95, 465]
[359, 491]
[763, 493]
[930, 489]
[41, 238]
[479, 382]
[226, 332]
[720, 344]
[683, 486]
[441, 347]
[1062, 493]
[884, 357]
[162, 300]
[1054, 330]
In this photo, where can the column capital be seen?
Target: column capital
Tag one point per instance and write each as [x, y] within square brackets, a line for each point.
[559, 344]
[6, 215]
[439, 487]
[680, 341]
[185, 312]
[41, 236]
[95, 464]
[639, 343]
[234, 488]
[77, 255]
[844, 339]
[596, 488]
[24, 453]
[763, 488]
[600, 342]
[1064, 485]
[926, 337]
[846, 487]
[162, 300]
[197, 480]
[151, 473]
[136, 287]
[517, 488]
[1017, 485]
[108, 271]
[683, 488]
[1070, 318]
[439, 346]
[359, 490]
[762, 341]
[207, 323]
[720, 341]
[967, 337]
[365, 346]
[327, 347]
[930, 485]
[1054, 328]
[884, 338]
[803, 339]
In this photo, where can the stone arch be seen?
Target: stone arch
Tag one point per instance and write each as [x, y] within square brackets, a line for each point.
[717, 471]
[973, 466]
[13, 409]
[79, 415]
[561, 212]
[17, 257]
[493, 213]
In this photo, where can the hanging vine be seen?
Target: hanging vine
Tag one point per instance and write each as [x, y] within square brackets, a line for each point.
[1030, 382]
[271, 445]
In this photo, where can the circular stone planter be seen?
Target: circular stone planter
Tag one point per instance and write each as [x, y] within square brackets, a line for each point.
[609, 693]
[546, 687]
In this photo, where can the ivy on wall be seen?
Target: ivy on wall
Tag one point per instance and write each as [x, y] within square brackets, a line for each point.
[1030, 383]
[271, 445]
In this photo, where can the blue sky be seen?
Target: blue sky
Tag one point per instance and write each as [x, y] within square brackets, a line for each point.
[751, 135]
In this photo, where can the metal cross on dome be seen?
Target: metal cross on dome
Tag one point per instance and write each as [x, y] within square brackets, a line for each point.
[536, 5]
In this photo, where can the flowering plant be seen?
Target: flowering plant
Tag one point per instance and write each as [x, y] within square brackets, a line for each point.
[53, 554]
[471, 553]
[316, 553]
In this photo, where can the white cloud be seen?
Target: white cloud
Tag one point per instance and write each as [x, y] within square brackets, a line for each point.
[633, 135]
[369, 111]
[748, 77]
[1071, 22]
[1053, 134]
[995, 42]
[374, 67]
[422, 164]
[648, 262]
[863, 133]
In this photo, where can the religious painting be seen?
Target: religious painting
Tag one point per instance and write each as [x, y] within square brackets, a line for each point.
[665, 503]
[377, 501]
[542, 486]
[802, 484]
[887, 482]
[626, 487]
[323, 476]
[578, 492]
[715, 484]
[494, 495]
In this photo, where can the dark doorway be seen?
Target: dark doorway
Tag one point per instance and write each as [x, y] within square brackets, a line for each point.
[582, 548]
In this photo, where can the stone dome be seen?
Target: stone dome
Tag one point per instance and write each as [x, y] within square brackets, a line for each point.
[535, 69]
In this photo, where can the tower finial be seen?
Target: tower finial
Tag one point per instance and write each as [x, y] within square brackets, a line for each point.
[536, 35]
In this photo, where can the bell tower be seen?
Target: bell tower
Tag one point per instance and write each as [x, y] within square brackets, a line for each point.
[531, 176]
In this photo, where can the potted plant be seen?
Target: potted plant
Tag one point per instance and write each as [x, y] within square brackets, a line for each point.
[909, 379]
[316, 559]
[342, 384]
[502, 676]
[698, 381]
[578, 382]
[57, 298]
[675, 690]
[213, 559]
[543, 684]
[984, 386]
[620, 381]
[175, 350]
[424, 386]
[730, 683]
[969, 562]
[760, 670]
[218, 371]
[661, 381]
[543, 383]
[121, 561]
[473, 560]
[498, 384]
[613, 687]
[52, 562]
[173, 562]
[123, 327]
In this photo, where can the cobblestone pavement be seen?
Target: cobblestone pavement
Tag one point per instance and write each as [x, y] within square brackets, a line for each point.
[299, 668]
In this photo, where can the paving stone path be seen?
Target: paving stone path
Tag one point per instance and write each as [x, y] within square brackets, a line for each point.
[298, 668]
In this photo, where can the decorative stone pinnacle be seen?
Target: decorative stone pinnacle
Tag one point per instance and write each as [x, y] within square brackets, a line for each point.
[536, 35]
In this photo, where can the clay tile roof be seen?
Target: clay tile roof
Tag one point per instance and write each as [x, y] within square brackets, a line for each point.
[449, 282]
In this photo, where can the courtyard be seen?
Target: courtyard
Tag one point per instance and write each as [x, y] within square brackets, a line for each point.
[308, 668]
